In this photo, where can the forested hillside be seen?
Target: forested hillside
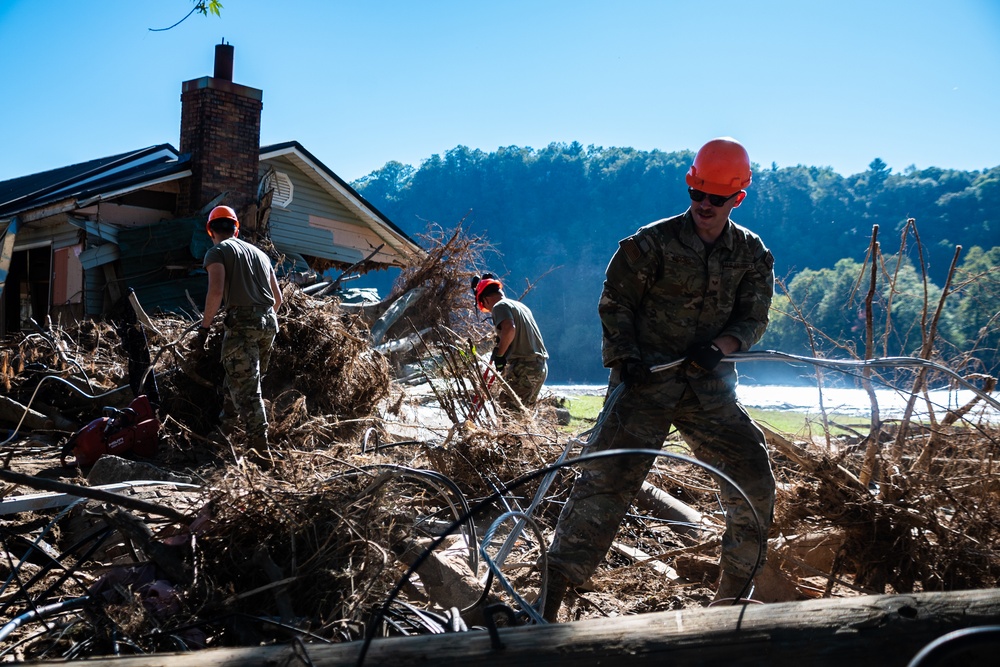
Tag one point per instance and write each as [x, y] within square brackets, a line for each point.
[558, 213]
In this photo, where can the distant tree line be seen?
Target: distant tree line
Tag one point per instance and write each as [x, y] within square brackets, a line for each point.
[556, 215]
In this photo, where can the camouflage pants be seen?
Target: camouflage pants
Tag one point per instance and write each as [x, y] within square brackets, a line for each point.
[724, 437]
[526, 377]
[246, 351]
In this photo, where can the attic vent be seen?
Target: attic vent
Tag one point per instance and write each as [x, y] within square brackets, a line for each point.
[279, 182]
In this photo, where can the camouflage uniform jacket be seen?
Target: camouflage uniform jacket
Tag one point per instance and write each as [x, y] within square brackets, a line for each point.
[665, 291]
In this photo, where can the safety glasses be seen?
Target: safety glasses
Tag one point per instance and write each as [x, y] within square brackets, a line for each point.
[714, 200]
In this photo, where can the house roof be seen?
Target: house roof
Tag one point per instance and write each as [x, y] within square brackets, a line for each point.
[81, 184]
[75, 186]
[339, 189]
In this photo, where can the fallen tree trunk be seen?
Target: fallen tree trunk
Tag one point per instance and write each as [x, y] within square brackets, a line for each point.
[13, 412]
[59, 421]
[393, 313]
[683, 518]
[403, 345]
[887, 630]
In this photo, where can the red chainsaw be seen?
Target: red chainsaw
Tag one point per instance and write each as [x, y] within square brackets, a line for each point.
[478, 400]
[132, 429]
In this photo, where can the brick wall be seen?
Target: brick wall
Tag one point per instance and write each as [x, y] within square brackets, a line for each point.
[220, 128]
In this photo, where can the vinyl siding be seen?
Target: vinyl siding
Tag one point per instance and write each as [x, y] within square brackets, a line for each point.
[93, 291]
[318, 225]
[159, 262]
[50, 231]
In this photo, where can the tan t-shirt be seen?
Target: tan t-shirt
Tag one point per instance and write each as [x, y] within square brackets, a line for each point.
[527, 342]
[248, 273]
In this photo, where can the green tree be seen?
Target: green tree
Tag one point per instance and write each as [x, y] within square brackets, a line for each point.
[387, 184]
[977, 283]
[832, 303]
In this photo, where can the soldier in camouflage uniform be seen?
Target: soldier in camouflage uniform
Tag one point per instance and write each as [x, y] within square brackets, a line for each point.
[240, 276]
[694, 286]
[520, 354]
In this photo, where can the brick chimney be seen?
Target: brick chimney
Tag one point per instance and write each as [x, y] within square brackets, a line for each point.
[220, 128]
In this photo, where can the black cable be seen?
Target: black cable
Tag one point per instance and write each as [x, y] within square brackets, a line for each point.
[486, 502]
[262, 619]
[433, 622]
[74, 651]
[944, 650]
[469, 527]
[40, 613]
[99, 536]
[372, 433]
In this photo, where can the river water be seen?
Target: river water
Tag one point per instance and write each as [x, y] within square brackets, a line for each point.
[851, 402]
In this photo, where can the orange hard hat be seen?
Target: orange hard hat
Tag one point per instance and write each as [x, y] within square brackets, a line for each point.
[222, 212]
[481, 288]
[721, 167]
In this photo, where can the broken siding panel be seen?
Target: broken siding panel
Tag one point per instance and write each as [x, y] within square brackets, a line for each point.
[318, 225]
[99, 255]
[361, 240]
[157, 261]
[102, 231]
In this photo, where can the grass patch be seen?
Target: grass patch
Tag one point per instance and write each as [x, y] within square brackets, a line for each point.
[583, 411]
[805, 424]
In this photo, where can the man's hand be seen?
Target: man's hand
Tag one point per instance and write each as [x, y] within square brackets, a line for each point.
[634, 372]
[706, 356]
[498, 360]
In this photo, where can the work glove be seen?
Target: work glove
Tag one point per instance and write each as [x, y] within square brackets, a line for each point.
[200, 339]
[635, 372]
[498, 360]
[705, 356]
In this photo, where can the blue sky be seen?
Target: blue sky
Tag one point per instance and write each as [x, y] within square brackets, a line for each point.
[823, 82]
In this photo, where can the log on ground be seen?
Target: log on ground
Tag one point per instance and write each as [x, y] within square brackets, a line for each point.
[886, 630]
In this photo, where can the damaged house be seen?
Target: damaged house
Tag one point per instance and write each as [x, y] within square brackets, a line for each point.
[76, 238]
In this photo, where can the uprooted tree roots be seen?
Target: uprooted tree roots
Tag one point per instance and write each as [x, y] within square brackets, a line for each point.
[921, 530]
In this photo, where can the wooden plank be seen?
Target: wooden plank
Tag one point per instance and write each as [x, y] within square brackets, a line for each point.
[886, 630]
[43, 501]
[42, 483]
[111, 280]
[640, 556]
[395, 311]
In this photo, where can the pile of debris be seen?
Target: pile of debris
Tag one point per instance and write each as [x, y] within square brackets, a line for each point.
[406, 508]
